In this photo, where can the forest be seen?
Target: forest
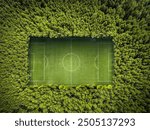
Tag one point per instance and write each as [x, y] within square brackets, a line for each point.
[127, 22]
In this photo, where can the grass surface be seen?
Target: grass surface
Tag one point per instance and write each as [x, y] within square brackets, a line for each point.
[71, 61]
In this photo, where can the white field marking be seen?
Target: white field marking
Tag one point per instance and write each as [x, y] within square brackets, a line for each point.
[72, 54]
[46, 61]
[98, 62]
[44, 64]
[33, 70]
[71, 63]
[110, 70]
[108, 64]
[95, 59]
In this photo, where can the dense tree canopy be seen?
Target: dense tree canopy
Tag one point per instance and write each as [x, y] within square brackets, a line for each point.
[125, 21]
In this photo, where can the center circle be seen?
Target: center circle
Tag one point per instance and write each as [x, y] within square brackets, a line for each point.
[71, 62]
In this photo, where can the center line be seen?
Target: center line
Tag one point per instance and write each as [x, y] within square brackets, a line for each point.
[108, 64]
[44, 64]
[98, 60]
[71, 63]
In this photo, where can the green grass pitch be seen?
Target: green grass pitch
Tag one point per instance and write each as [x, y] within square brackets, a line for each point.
[71, 61]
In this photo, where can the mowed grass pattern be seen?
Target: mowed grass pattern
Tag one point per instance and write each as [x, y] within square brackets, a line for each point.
[71, 61]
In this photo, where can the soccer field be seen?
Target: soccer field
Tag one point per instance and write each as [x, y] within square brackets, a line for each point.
[71, 61]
